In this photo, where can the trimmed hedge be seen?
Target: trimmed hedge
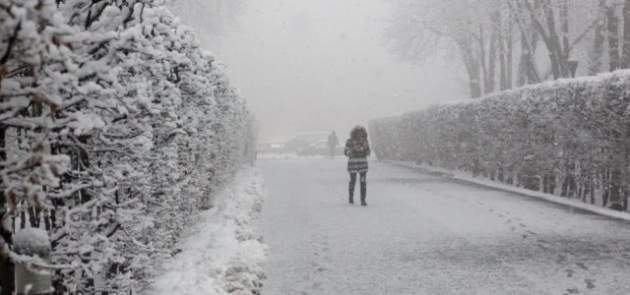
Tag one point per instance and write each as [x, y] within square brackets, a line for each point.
[116, 128]
[567, 137]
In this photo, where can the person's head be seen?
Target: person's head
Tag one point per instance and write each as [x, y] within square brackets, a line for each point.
[358, 133]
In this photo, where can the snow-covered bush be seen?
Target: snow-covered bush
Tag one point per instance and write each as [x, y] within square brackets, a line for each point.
[570, 137]
[114, 125]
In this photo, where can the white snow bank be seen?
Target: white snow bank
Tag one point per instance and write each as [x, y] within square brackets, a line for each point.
[223, 254]
[462, 176]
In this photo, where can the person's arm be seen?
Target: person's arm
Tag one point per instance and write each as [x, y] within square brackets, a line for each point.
[346, 150]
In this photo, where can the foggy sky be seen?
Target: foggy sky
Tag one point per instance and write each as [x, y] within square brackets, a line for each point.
[320, 65]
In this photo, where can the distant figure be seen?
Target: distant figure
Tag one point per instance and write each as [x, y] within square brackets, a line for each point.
[333, 142]
[357, 150]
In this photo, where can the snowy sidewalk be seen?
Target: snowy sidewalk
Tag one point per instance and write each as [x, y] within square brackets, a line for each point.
[466, 177]
[222, 254]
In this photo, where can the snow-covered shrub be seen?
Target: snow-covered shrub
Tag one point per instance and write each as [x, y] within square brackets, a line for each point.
[114, 125]
[570, 137]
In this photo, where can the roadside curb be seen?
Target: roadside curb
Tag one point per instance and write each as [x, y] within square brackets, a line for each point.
[512, 189]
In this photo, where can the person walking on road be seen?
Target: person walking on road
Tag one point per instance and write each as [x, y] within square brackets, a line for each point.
[333, 142]
[358, 150]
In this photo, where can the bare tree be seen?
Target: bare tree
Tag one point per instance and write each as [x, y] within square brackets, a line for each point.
[625, 58]
[613, 37]
[486, 35]
[596, 53]
[505, 30]
[473, 28]
[528, 71]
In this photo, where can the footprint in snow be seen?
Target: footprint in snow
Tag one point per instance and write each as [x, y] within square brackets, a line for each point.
[570, 273]
[590, 283]
[561, 258]
[582, 265]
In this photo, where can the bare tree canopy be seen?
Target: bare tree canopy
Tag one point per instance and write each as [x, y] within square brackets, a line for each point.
[515, 42]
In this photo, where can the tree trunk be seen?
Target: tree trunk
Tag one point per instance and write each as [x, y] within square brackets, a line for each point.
[474, 79]
[596, 54]
[490, 73]
[549, 183]
[625, 60]
[566, 47]
[615, 194]
[482, 57]
[502, 62]
[510, 56]
[547, 28]
[552, 41]
[527, 72]
[473, 67]
[523, 64]
[613, 38]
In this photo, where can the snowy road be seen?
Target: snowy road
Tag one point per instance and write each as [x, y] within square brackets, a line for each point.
[426, 235]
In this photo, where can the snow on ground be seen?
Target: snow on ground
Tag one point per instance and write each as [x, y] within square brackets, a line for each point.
[423, 234]
[467, 177]
[222, 254]
[288, 156]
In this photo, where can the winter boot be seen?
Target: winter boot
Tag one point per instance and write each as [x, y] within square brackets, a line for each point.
[351, 194]
[363, 193]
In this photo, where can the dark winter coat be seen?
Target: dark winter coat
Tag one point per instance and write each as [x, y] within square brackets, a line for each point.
[357, 151]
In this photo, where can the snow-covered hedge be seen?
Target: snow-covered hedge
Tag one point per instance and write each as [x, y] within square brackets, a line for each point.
[223, 252]
[569, 137]
[114, 126]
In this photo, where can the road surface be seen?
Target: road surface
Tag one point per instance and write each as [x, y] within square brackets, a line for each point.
[423, 234]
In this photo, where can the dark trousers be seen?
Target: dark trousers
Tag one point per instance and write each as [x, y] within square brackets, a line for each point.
[353, 181]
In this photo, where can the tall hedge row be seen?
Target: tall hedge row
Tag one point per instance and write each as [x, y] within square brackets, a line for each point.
[115, 128]
[568, 137]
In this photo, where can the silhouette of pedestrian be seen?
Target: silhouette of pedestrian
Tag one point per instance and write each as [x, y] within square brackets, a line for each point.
[357, 150]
